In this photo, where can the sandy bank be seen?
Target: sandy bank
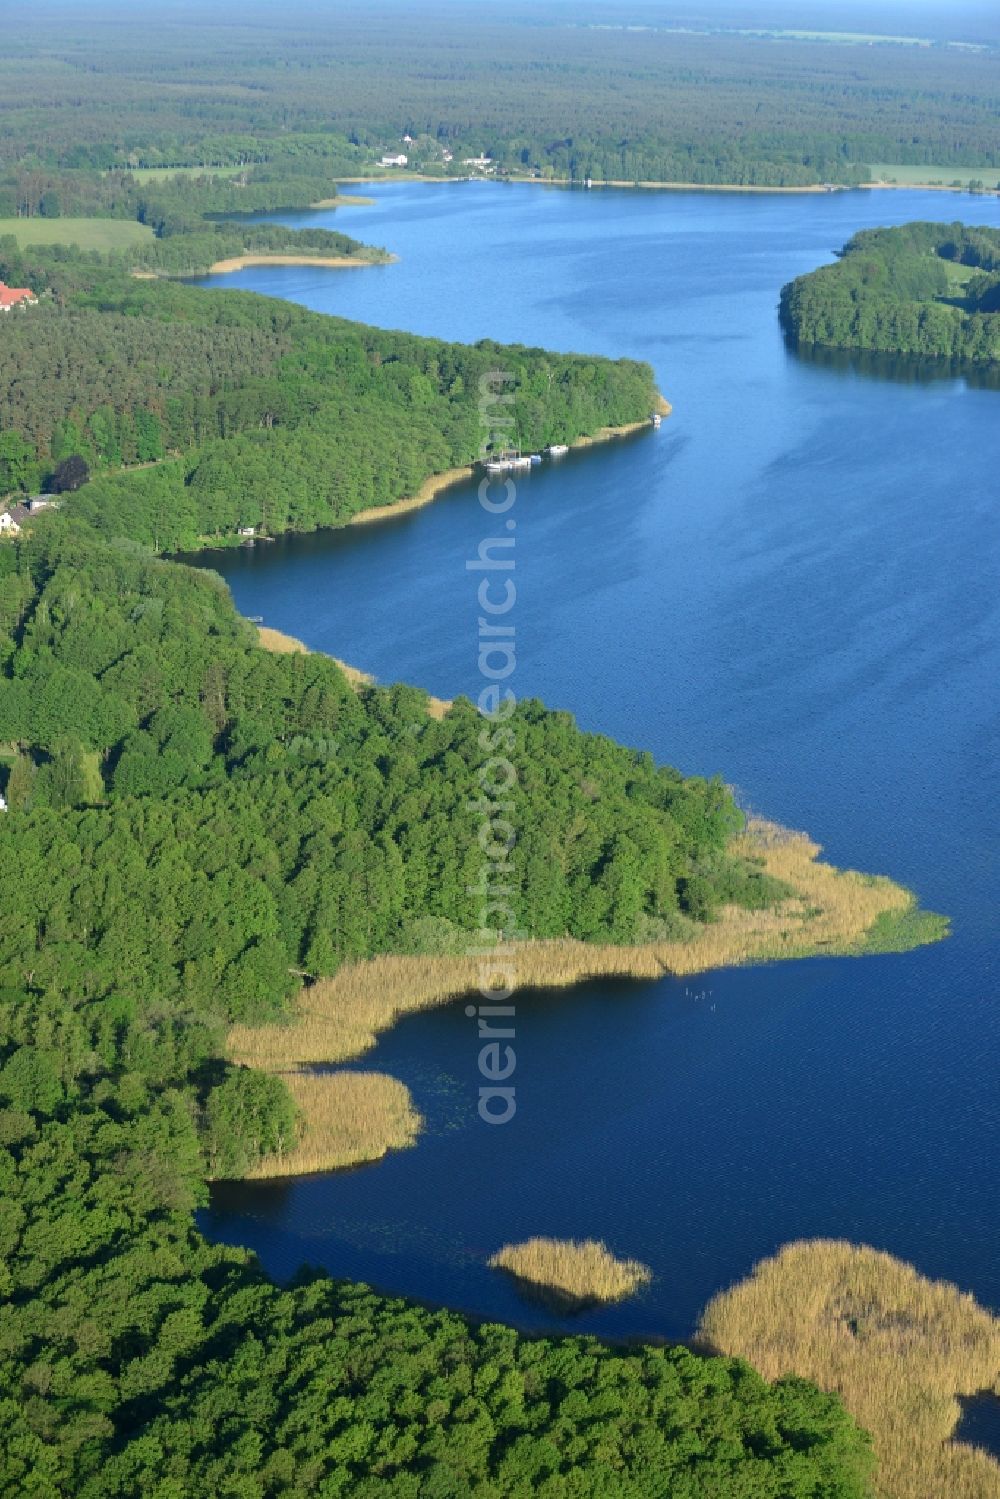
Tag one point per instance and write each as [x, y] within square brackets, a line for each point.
[662, 407]
[433, 486]
[428, 491]
[676, 187]
[333, 262]
[683, 187]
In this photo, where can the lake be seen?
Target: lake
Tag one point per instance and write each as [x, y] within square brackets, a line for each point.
[793, 583]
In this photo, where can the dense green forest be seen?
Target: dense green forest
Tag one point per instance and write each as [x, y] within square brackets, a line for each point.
[253, 411]
[295, 98]
[926, 290]
[194, 824]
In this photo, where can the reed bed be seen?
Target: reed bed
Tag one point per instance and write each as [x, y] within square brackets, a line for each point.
[570, 1274]
[280, 643]
[898, 1348]
[830, 911]
[346, 1118]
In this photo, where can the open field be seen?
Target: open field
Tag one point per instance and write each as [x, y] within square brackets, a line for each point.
[158, 174]
[831, 911]
[894, 174]
[896, 1347]
[959, 275]
[89, 234]
[346, 1118]
[570, 1273]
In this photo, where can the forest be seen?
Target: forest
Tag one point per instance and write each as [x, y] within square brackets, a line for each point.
[246, 411]
[195, 827]
[296, 99]
[924, 290]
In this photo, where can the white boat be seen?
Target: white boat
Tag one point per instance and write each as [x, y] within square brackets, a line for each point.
[656, 418]
[535, 458]
[499, 466]
[557, 449]
[520, 464]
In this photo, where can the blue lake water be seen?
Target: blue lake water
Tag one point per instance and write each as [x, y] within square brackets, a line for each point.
[794, 583]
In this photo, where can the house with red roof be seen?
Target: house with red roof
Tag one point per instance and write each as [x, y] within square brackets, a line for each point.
[15, 296]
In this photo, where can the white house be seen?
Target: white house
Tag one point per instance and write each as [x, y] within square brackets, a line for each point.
[399, 160]
[11, 521]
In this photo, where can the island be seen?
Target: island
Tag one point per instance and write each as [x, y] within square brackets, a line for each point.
[570, 1275]
[923, 289]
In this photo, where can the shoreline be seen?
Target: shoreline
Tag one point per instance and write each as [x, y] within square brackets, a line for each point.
[435, 484]
[928, 187]
[829, 912]
[429, 490]
[281, 644]
[646, 185]
[344, 200]
[676, 187]
[334, 262]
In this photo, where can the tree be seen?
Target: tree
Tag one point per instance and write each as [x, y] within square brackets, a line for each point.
[249, 1115]
[69, 475]
[17, 462]
[21, 783]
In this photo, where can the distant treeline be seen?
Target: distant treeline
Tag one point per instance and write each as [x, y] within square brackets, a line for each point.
[301, 96]
[174, 203]
[907, 291]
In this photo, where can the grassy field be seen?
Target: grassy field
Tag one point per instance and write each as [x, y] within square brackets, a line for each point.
[154, 174]
[959, 275]
[898, 1349]
[89, 234]
[907, 176]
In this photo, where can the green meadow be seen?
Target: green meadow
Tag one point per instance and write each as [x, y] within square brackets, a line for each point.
[88, 234]
[947, 176]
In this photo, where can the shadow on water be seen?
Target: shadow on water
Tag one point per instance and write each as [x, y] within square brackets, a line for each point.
[900, 369]
[980, 1423]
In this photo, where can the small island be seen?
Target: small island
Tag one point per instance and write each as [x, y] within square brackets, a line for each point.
[570, 1274]
[922, 289]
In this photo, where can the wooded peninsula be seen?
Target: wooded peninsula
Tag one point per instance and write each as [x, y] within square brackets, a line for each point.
[923, 289]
